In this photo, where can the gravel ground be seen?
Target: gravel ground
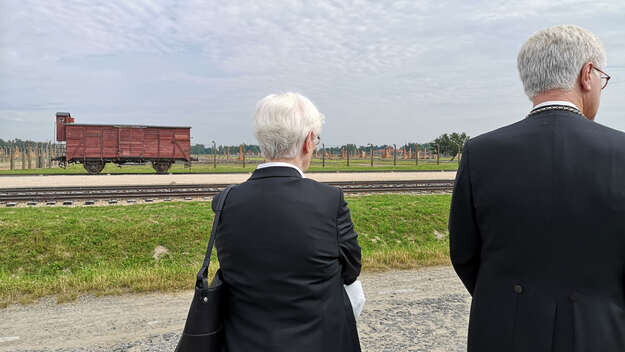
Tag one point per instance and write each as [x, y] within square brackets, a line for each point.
[419, 310]
[114, 180]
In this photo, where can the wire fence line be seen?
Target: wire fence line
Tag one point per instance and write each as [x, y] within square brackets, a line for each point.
[16, 156]
[19, 156]
[345, 155]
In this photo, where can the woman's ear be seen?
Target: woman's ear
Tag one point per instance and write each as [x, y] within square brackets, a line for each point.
[308, 143]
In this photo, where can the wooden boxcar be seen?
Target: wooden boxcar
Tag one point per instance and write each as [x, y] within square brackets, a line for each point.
[95, 145]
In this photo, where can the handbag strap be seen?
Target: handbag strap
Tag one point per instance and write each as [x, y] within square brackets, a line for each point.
[202, 275]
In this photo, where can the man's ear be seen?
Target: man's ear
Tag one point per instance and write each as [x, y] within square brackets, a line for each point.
[585, 77]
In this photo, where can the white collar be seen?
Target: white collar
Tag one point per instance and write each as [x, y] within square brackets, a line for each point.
[280, 164]
[556, 102]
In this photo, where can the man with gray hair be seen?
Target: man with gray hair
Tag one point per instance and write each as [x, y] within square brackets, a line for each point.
[286, 244]
[537, 221]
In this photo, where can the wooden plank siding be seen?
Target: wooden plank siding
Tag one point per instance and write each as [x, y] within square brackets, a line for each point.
[127, 143]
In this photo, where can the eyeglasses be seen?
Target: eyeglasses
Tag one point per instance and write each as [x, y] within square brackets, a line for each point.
[605, 76]
[316, 139]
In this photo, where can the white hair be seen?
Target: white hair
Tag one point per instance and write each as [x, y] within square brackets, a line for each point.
[282, 123]
[553, 58]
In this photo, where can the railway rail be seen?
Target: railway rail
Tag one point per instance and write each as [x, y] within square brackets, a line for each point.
[90, 194]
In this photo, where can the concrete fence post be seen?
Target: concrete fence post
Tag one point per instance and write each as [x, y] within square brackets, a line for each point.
[214, 155]
[416, 155]
[49, 155]
[38, 149]
[30, 157]
[12, 156]
[395, 155]
[55, 153]
[242, 152]
[438, 154]
[23, 152]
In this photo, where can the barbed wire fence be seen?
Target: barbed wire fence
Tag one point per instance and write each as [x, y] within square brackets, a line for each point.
[41, 155]
[346, 155]
[21, 156]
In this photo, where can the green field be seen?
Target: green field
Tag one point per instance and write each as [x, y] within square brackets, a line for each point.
[109, 250]
[358, 165]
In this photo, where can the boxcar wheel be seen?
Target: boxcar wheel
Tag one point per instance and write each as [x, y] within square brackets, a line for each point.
[94, 167]
[161, 167]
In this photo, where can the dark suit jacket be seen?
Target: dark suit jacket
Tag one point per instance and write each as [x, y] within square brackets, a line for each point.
[286, 246]
[537, 235]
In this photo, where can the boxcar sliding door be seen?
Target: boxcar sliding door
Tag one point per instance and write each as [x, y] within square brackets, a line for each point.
[131, 142]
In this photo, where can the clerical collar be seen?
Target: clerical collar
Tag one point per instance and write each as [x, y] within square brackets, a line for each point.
[555, 105]
[555, 102]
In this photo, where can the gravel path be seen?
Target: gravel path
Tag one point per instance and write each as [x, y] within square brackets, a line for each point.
[115, 180]
[419, 310]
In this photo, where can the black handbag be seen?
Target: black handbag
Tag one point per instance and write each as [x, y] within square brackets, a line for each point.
[203, 330]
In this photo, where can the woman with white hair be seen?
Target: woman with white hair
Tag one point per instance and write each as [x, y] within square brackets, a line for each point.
[286, 244]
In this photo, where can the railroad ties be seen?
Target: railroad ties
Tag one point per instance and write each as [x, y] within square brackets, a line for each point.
[132, 194]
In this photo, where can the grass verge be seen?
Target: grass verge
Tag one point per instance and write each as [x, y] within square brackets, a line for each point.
[316, 166]
[109, 250]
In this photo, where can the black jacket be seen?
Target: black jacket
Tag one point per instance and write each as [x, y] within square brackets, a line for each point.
[286, 246]
[537, 235]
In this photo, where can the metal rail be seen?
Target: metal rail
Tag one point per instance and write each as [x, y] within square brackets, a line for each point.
[46, 194]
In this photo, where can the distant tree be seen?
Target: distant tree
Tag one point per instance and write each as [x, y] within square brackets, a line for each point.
[21, 145]
[451, 144]
[198, 149]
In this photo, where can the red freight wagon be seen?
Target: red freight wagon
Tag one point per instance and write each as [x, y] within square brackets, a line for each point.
[95, 145]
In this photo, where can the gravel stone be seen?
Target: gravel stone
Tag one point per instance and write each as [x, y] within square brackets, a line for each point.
[416, 310]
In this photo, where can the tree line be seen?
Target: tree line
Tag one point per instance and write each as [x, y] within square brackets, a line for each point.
[21, 144]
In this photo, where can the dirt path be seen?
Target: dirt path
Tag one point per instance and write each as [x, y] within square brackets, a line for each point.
[114, 180]
[420, 310]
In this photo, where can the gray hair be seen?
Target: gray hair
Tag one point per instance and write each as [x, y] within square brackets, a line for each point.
[553, 58]
[282, 123]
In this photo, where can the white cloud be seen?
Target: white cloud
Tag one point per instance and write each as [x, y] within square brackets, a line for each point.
[383, 71]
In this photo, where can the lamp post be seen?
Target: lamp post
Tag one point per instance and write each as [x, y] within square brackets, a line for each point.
[371, 154]
[323, 155]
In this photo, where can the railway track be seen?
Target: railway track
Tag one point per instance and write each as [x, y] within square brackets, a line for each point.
[90, 194]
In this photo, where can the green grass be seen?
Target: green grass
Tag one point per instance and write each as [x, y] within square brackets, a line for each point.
[237, 167]
[108, 250]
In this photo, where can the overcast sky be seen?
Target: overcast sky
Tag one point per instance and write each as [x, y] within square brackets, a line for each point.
[381, 71]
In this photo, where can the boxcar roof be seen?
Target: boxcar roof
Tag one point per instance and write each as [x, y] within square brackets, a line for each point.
[123, 126]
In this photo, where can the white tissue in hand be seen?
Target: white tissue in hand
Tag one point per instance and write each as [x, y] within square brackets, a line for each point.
[356, 296]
